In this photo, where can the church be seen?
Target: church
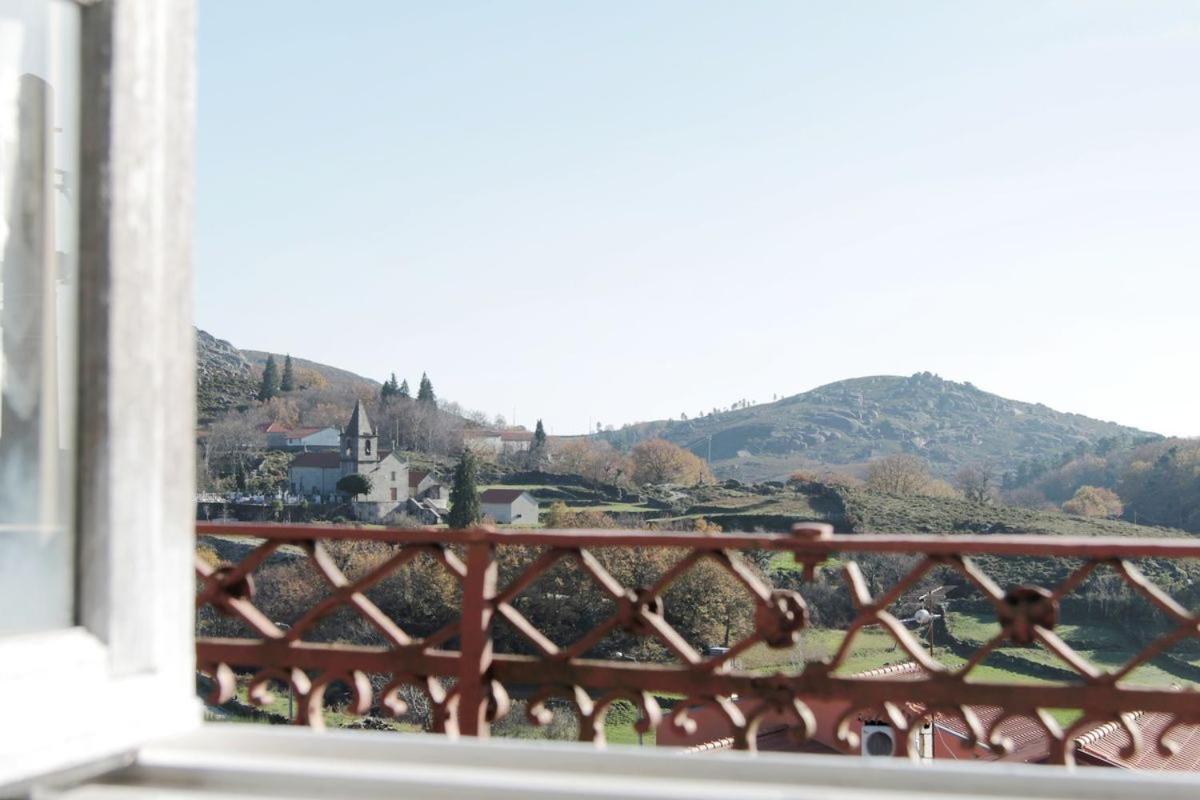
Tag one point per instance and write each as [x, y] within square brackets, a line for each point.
[317, 473]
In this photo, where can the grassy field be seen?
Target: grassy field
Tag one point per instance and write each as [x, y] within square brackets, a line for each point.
[1105, 645]
[618, 723]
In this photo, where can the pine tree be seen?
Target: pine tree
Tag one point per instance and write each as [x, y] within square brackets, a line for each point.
[288, 382]
[539, 436]
[464, 498]
[405, 392]
[270, 380]
[389, 389]
[425, 391]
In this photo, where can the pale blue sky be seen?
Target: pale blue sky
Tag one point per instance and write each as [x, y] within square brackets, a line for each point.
[619, 211]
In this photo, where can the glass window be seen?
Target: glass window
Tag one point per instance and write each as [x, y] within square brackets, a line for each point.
[39, 146]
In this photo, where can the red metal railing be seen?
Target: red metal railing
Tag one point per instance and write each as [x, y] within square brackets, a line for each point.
[465, 680]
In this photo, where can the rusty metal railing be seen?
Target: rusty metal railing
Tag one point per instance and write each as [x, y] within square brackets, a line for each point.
[467, 682]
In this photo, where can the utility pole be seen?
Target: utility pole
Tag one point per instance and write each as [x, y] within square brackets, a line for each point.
[931, 624]
[710, 449]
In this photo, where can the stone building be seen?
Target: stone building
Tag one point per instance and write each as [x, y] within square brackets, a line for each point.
[359, 453]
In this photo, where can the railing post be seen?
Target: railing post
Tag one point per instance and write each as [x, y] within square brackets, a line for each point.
[474, 678]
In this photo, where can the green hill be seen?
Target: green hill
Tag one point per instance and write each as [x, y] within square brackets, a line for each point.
[847, 423]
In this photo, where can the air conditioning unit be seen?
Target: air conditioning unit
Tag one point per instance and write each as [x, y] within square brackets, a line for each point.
[878, 740]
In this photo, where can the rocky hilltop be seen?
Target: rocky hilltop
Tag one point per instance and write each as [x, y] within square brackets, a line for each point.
[847, 423]
[224, 378]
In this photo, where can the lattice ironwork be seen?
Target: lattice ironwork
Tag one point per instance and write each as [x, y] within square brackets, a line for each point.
[466, 682]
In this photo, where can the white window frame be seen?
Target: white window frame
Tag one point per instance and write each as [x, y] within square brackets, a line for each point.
[125, 674]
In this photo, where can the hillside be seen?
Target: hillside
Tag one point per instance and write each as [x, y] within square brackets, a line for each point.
[336, 378]
[849, 422]
[227, 378]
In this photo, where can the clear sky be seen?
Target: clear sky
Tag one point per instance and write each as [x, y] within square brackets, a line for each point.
[619, 211]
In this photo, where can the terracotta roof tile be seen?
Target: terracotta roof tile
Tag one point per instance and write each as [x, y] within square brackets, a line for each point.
[326, 460]
[500, 495]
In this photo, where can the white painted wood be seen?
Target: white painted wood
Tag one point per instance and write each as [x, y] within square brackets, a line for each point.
[126, 675]
[224, 761]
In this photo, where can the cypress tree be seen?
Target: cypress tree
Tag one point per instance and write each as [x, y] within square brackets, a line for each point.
[464, 498]
[288, 382]
[405, 392]
[270, 380]
[425, 392]
[539, 436]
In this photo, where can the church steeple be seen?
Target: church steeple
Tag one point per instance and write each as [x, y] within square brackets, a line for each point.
[359, 442]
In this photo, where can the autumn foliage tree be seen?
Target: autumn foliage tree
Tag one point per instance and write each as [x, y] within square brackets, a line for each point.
[593, 459]
[1094, 501]
[900, 474]
[657, 461]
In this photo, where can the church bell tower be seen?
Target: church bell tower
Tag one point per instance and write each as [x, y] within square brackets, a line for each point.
[360, 445]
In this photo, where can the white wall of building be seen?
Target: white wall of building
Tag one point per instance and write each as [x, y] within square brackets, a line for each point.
[522, 511]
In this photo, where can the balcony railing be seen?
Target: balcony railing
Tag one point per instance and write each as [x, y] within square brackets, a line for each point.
[467, 682]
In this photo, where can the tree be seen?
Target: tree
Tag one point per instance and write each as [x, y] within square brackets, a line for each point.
[282, 410]
[464, 498]
[1094, 501]
[233, 444]
[270, 380]
[271, 475]
[288, 382]
[308, 378]
[976, 482]
[659, 461]
[425, 393]
[404, 392]
[389, 389]
[539, 436]
[595, 460]
[354, 484]
[900, 474]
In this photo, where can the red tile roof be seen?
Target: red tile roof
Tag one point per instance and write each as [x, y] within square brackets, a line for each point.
[1104, 744]
[501, 496]
[1100, 745]
[326, 460]
[415, 476]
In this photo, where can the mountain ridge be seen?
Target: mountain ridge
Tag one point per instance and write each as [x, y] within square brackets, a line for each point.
[847, 423]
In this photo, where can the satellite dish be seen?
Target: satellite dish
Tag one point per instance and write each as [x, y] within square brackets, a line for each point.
[923, 616]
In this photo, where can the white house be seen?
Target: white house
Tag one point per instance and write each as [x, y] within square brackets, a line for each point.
[509, 506]
[309, 439]
[495, 443]
[422, 485]
[315, 473]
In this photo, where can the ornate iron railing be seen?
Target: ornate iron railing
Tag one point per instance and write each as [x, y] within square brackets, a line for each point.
[467, 682]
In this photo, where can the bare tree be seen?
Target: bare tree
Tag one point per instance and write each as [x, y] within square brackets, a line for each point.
[899, 474]
[976, 482]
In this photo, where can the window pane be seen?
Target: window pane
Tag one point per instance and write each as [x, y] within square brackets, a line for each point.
[39, 98]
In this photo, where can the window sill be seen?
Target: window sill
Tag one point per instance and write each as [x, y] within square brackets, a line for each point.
[63, 709]
[225, 761]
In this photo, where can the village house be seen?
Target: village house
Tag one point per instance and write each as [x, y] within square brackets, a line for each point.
[422, 485]
[498, 443]
[509, 506]
[303, 439]
[319, 472]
